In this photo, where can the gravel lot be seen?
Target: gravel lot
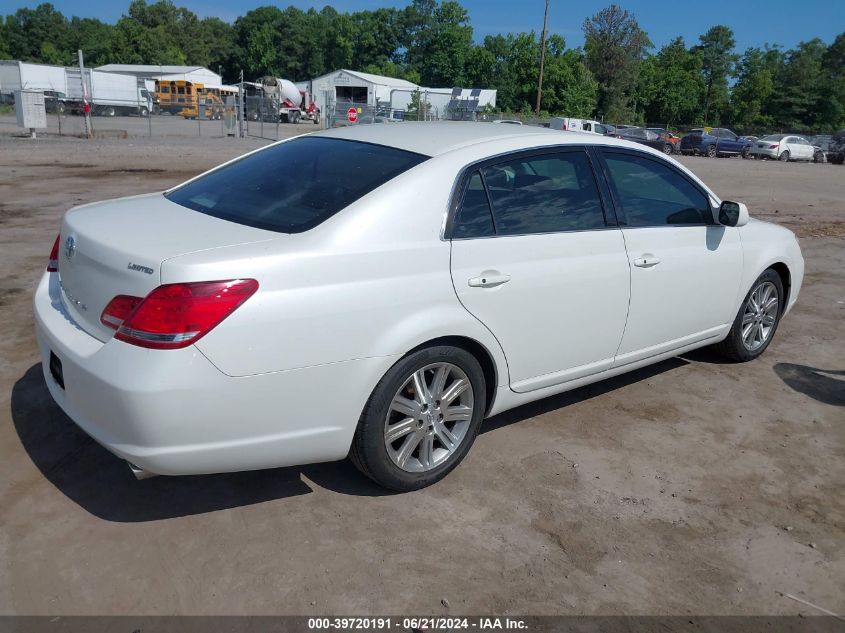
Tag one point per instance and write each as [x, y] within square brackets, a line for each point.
[690, 487]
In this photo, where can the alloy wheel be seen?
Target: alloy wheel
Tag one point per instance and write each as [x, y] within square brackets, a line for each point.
[760, 316]
[429, 417]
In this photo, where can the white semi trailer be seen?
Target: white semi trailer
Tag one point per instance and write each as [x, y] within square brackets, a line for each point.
[25, 76]
[108, 94]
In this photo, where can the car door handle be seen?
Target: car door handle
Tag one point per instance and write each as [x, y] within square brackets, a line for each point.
[646, 261]
[488, 281]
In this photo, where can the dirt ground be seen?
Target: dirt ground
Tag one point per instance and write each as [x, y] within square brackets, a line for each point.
[690, 487]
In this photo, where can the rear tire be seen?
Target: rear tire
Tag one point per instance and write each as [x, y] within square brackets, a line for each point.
[420, 443]
[784, 157]
[711, 151]
[668, 148]
[748, 337]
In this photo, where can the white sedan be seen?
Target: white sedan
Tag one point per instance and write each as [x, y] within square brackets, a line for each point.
[783, 147]
[378, 291]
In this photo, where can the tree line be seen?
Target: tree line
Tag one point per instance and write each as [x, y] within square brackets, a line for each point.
[617, 76]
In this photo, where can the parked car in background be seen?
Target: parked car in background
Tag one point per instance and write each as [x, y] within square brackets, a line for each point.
[714, 142]
[783, 147]
[666, 135]
[821, 143]
[377, 291]
[646, 137]
[750, 139]
[836, 149]
[568, 124]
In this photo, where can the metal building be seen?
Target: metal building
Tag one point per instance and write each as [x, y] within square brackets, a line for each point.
[196, 74]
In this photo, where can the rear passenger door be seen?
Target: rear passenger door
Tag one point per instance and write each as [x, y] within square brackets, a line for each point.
[537, 261]
[685, 268]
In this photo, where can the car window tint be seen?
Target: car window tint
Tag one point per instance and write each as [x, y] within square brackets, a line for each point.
[474, 218]
[652, 193]
[294, 186]
[544, 194]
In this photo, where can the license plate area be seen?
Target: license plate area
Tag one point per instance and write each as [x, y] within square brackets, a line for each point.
[56, 370]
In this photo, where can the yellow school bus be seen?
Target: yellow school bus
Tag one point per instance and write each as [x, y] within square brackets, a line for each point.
[185, 97]
[173, 96]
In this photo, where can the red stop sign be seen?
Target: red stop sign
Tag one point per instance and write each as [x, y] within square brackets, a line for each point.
[352, 115]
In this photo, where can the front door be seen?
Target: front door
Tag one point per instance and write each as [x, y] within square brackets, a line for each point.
[685, 269]
[534, 260]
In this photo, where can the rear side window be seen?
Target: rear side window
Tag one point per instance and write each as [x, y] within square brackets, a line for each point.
[544, 194]
[292, 187]
[474, 218]
[654, 194]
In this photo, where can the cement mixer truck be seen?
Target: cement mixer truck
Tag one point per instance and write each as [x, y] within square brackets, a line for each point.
[281, 99]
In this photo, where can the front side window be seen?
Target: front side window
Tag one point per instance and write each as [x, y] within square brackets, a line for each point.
[294, 186]
[544, 194]
[652, 193]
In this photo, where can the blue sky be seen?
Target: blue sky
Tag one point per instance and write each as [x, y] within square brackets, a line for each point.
[755, 22]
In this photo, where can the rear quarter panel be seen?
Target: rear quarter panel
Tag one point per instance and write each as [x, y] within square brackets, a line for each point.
[373, 281]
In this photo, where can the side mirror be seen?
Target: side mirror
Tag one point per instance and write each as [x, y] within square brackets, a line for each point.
[733, 213]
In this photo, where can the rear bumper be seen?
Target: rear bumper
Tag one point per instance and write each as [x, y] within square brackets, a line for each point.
[172, 412]
[764, 152]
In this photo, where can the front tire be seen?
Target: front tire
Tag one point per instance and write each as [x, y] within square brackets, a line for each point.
[421, 419]
[757, 320]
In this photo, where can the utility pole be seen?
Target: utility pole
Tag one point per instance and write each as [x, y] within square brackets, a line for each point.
[542, 59]
[86, 105]
[241, 105]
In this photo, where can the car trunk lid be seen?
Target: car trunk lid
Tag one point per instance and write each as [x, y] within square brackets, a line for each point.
[117, 248]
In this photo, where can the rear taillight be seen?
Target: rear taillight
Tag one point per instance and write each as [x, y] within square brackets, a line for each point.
[176, 315]
[773, 146]
[118, 309]
[53, 262]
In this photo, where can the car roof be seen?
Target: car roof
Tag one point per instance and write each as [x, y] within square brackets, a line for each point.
[435, 138]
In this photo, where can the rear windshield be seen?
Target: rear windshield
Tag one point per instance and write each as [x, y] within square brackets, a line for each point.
[773, 137]
[292, 187]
